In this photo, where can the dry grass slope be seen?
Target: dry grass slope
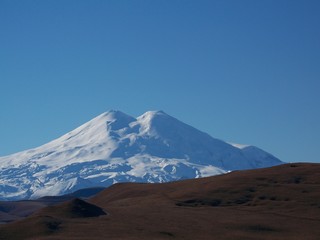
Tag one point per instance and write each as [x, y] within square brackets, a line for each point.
[281, 202]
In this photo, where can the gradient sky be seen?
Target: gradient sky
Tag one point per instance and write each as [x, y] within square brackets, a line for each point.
[242, 71]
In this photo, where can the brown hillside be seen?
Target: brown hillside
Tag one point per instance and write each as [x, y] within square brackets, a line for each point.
[281, 202]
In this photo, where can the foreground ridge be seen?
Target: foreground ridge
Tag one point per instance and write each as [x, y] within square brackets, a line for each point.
[272, 203]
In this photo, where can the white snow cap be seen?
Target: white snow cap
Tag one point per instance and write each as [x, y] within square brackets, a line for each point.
[116, 147]
[240, 146]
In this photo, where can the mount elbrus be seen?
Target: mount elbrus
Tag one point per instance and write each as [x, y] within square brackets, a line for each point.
[115, 147]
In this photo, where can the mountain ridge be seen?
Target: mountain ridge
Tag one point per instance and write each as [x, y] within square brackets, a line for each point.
[115, 147]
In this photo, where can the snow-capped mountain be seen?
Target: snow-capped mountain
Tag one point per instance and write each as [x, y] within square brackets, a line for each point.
[115, 147]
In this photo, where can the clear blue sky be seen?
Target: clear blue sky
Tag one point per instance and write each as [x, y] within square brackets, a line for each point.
[242, 71]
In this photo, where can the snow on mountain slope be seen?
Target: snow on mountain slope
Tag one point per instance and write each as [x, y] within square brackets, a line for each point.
[115, 147]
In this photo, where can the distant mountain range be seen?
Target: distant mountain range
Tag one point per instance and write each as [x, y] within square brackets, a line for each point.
[115, 147]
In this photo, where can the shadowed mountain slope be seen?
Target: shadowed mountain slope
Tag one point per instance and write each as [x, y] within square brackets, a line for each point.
[75, 208]
[281, 202]
[15, 210]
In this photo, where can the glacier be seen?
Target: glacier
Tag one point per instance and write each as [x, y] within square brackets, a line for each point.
[115, 147]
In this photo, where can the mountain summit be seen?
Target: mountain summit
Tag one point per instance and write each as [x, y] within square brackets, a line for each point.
[115, 147]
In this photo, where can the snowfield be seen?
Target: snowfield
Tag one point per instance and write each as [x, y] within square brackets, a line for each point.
[115, 147]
